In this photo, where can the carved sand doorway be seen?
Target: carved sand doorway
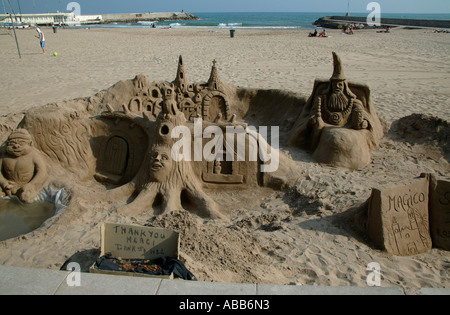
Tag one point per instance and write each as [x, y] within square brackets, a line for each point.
[215, 104]
[116, 156]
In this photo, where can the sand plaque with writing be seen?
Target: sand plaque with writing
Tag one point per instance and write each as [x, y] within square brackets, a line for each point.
[398, 219]
[440, 213]
[136, 242]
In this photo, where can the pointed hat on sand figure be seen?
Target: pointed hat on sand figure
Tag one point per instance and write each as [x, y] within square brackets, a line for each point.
[338, 73]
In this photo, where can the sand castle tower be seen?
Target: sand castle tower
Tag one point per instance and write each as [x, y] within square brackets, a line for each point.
[181, 83]
[214, 83]
[215, 103]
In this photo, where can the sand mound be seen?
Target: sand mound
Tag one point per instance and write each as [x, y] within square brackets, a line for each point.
[424, 129]
[222, 250]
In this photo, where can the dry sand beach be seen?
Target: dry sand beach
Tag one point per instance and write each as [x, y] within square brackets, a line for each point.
[303, 235]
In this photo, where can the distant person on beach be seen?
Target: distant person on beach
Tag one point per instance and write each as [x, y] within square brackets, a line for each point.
[41, 38]
[348, 29]
[441, 31]
[385, 31]
[323, 34]
[313, 34]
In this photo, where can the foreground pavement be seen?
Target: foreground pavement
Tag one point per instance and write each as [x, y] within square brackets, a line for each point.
[29, 281]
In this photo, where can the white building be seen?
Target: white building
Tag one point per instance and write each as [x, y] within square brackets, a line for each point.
[49, 19]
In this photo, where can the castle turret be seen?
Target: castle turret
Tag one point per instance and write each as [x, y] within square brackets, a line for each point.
[181, 84]
[214, 83]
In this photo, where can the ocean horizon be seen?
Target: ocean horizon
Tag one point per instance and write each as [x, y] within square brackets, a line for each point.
[260, 20]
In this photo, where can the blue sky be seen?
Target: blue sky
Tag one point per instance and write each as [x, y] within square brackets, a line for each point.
[132, 6]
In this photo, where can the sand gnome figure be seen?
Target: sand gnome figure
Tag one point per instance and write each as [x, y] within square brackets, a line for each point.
[339, 122]
[23, 170]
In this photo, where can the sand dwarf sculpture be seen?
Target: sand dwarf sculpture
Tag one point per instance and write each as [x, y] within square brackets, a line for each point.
[23, 170]
[339, 106]
[339, 122]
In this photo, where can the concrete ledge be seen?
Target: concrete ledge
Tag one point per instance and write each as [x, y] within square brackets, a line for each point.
[28, 281]
[98, 284]
[178, 287]
[264, 289]
[434, 291]
[15, 280]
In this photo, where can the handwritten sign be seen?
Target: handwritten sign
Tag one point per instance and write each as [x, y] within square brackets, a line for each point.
[398, 218]
[138, 242]
[440, 213]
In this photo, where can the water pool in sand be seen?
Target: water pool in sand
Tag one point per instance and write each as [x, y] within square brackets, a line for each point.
[17, 218]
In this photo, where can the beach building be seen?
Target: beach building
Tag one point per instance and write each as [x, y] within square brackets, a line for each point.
[49, 19]
[70, 19]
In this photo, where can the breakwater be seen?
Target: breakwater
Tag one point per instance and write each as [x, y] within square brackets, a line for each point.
[147, 17]
[338, 22]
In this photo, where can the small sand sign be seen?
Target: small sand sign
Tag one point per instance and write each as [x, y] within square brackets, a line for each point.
[127, 242]
[440, 213]
[398, 219]
[138, 242]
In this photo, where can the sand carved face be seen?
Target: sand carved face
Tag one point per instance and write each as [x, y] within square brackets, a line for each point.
[160, 163]
[338, 100]
[338, 86]
[19, 144]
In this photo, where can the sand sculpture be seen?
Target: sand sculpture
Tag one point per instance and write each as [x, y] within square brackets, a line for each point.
[156, 113]
[128, 138]
[440, 213]
[160, 176]
[123, 137]
[398, 219]
[408, 219]
[23, 170]
[339, 122]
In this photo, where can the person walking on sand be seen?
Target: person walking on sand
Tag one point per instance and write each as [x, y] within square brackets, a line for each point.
[41, 38]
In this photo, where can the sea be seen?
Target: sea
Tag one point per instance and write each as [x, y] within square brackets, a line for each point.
[259, 20]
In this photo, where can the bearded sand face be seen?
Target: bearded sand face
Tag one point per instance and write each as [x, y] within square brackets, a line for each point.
[338, 101]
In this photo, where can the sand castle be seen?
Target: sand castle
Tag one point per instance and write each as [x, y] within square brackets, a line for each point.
[123, 138]
[139, 139]
[120, 146]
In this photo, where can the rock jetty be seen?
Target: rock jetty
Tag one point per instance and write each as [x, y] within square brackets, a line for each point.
[146, 17]
[338, 22]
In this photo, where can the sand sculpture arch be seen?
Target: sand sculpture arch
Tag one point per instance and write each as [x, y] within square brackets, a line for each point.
[215, 102]
[119, 152]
